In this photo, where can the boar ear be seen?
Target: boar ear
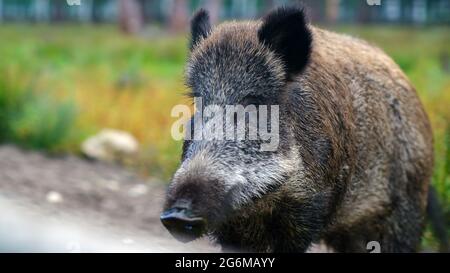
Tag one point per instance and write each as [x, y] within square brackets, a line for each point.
[285, 31]
[200, 27]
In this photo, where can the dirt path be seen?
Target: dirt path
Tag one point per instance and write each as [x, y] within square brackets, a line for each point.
[93, 193]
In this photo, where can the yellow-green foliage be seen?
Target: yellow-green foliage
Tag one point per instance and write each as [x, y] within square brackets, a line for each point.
[105, 79]
[112, 80]
[33, 119]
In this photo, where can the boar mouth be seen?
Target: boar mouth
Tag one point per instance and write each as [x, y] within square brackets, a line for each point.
[183, 225]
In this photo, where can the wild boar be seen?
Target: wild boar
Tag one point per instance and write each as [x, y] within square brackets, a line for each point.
[354, 158]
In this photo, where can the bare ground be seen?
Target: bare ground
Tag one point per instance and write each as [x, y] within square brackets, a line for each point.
[93, 193]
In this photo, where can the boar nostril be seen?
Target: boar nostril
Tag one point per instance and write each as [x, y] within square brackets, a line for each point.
[182, 225]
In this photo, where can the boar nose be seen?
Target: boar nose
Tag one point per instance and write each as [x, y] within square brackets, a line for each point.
[182, 224]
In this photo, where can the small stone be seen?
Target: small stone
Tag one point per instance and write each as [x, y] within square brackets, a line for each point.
[110, 145]
[138, 190]
[54, 197]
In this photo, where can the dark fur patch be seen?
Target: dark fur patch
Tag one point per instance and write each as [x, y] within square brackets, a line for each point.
[205, 194]
[285, 31]
[200, 27]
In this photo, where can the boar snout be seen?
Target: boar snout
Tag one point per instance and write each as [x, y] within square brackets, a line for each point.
[183, 224]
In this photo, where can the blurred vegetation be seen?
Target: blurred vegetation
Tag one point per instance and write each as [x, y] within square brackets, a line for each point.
[62, 84]
[34, 120]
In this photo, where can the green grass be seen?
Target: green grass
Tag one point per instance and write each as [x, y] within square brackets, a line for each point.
[34, 120]
[61, 84]
[93, 78]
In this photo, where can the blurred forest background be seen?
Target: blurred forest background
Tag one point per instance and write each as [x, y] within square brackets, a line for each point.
[69, 71]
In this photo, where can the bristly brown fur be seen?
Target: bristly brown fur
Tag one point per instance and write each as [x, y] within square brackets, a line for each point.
[356, 148]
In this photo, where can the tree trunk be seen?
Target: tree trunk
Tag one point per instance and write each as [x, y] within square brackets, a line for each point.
[179, 16]
[147, 6]
[332, 10]
[213, 6]
[58, 14]
[130, 16]
[364, 12]
[85, 12]
[315, 10]
[41, 10]
[1, 10]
